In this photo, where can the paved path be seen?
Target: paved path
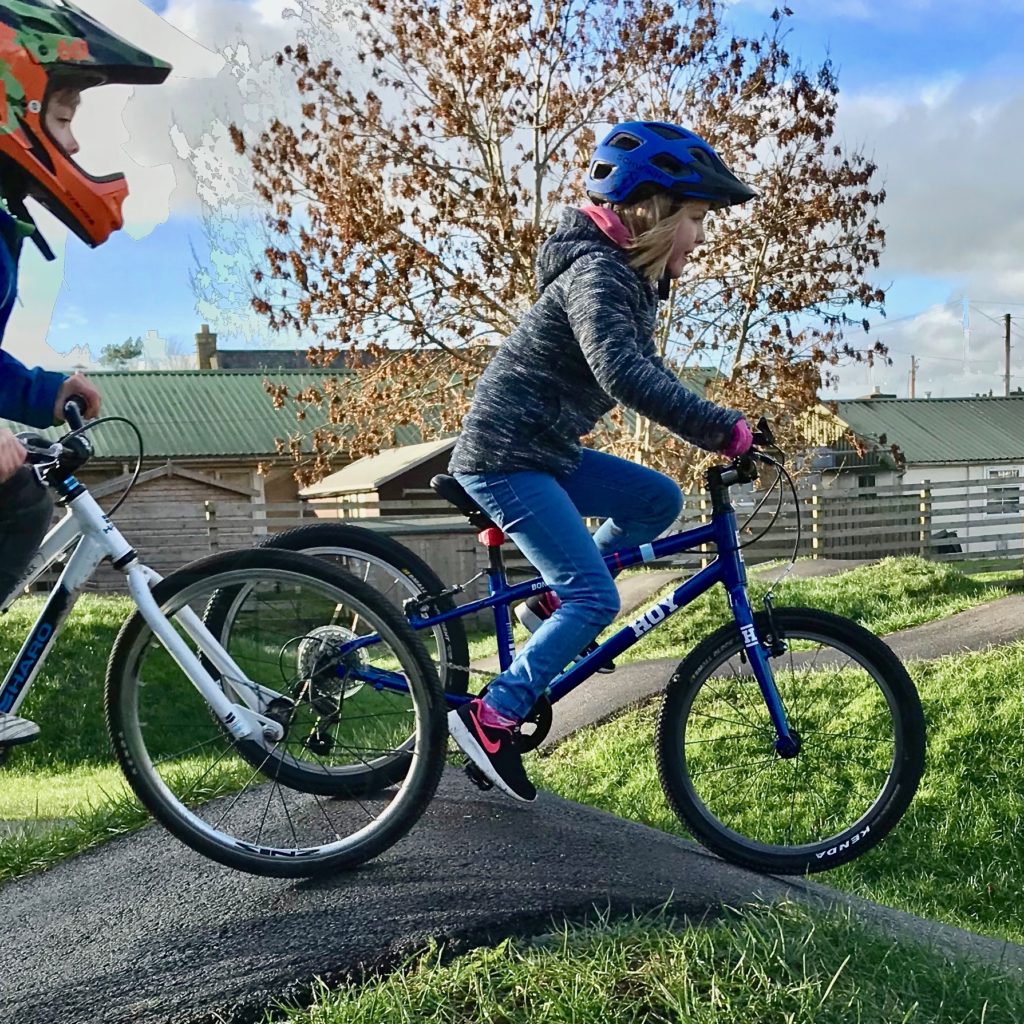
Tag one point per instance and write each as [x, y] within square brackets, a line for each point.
[143, 931]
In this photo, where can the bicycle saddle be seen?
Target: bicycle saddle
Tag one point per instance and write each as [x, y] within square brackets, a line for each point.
[452, 491]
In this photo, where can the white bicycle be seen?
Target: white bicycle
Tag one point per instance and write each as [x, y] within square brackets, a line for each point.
[236, 716]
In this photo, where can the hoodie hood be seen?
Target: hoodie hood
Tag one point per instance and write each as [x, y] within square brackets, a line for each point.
[575, 237]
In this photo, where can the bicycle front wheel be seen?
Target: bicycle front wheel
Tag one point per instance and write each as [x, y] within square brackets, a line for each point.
[861, 737]
[259, 804]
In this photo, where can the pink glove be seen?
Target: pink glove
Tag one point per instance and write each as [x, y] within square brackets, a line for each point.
[740, 441]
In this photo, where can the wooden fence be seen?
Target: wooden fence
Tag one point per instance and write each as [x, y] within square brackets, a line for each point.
[985, 517]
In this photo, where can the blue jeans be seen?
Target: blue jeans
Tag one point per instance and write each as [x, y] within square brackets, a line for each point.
[543, 515]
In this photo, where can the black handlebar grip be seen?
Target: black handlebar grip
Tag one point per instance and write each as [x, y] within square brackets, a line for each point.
[74, 411]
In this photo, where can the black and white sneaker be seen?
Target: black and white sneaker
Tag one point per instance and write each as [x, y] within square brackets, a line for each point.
[608, 666]
[493, 749]
[15, 730]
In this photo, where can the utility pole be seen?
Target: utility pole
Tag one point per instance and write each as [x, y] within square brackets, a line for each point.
[1006, 389]
[914, 364]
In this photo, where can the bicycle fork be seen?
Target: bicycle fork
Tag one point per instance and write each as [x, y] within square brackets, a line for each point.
[787, 742]
[734, 580]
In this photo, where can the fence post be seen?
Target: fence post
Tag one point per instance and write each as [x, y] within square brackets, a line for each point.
[924, 519]
[210, 508]
[815, 524]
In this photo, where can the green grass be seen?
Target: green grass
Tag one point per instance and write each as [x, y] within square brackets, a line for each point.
[63, 793]
[37, 845]
[69, 771]
[67, 697]
[955, 857]
[783, 964]
[64, 789]
[43, 794]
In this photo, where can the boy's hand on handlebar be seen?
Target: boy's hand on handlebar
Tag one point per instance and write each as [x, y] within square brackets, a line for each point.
[76, 384]
[740, 441]
[12, 455]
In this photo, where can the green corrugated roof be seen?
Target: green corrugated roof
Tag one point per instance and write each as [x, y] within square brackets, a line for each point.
[195, 413]
[939, 430]
[220, 413]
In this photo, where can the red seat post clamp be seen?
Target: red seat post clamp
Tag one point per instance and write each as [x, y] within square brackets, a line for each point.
[492, 537]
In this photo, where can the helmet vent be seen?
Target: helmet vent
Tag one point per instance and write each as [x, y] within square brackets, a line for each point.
[625, 141]
[666, 131]
[36, 25]
[600, 170]
[669, 164]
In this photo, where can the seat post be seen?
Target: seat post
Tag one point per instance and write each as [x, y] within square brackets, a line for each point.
[492, 538]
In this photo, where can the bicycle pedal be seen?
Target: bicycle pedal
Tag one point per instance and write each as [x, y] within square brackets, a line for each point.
[477, 777]
[589, 649]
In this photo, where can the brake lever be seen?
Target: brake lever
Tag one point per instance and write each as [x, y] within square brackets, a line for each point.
[763, 437]
[40, 455]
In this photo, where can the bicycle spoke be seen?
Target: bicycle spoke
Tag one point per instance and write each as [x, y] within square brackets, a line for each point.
[738, 710]
[729, 721]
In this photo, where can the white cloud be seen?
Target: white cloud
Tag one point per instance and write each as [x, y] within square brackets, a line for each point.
[954, 205]
[954, 356]
[949, 154]
[130, 129]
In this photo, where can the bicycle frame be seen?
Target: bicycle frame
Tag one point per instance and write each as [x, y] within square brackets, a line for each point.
[727, 569]
[97, 538]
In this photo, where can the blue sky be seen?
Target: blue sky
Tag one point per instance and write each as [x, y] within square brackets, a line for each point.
[934, 90]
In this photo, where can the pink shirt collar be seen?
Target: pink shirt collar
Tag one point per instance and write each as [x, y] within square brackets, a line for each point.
[608, 221]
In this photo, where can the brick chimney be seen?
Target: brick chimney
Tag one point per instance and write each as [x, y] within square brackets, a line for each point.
[206, 349]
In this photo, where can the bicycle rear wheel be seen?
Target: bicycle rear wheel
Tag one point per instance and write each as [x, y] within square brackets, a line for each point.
[256, 804]
[862, 742]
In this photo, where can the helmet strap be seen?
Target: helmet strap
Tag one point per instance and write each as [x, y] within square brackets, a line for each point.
[17, 207]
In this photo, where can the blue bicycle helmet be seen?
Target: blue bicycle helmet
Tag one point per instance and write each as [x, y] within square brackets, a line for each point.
[638, 159]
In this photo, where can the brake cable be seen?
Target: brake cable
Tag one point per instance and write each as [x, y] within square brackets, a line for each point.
[138, 461]
[757, 507]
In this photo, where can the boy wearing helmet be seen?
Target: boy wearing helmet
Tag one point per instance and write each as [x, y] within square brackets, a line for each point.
[49, 53]
[586, 345]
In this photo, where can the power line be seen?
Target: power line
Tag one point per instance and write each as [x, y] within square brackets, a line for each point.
[949, 359]
[998, 323]
[911, 316]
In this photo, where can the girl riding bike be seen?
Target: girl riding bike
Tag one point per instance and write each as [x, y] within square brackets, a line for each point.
[586, 345]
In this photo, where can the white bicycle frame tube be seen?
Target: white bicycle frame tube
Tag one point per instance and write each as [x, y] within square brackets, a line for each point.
[101, 539]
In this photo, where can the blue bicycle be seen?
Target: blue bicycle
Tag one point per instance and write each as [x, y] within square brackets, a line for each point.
[790, 740]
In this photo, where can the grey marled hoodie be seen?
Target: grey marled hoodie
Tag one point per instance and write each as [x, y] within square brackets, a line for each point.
[585, 345]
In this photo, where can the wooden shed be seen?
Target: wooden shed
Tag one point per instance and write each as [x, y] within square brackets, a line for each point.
[395, 482]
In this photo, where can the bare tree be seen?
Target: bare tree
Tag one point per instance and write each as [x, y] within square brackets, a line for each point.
[405, 214]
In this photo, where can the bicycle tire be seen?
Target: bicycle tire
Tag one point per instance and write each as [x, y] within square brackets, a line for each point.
[687, 745]
[342, 540]
[122, 697]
